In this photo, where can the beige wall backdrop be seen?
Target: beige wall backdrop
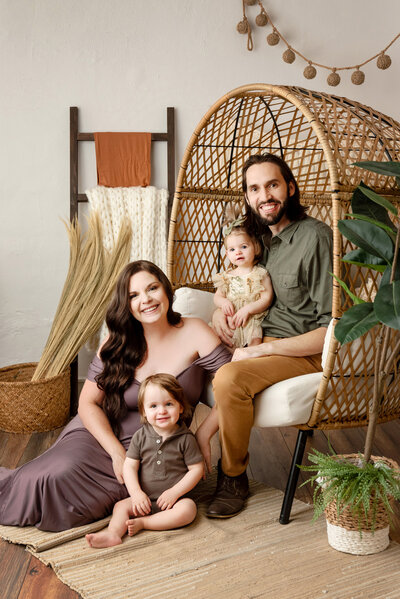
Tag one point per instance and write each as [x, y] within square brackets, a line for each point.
[122, 62]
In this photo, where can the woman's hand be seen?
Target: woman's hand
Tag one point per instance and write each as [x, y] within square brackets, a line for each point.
[118, 460]
[97, 423]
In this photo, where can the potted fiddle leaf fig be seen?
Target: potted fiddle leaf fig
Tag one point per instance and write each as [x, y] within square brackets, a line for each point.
[355, 491]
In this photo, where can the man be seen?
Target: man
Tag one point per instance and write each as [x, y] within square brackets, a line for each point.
[299, 260]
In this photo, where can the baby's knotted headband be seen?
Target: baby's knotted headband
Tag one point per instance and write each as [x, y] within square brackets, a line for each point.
[237, 222]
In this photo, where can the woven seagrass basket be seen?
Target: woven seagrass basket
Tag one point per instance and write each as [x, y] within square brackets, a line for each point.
[344, 531]
[27, 406]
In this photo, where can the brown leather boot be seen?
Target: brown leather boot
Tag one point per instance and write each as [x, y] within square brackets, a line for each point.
[230, 496]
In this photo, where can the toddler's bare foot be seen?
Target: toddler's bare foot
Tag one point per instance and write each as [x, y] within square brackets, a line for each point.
[134, 526]
[104, 538]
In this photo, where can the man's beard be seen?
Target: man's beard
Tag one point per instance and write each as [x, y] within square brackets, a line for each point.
[263, 221]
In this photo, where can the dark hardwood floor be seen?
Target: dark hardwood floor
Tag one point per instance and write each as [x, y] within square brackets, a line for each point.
[24, 577]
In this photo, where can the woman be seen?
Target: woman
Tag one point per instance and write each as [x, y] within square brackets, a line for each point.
[80, 477]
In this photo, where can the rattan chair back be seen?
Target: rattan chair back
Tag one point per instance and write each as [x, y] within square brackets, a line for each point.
[320, 136]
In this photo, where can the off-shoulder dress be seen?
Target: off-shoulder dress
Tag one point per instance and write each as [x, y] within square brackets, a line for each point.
[73, 482]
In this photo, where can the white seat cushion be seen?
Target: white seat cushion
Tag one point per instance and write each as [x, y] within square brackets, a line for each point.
[283, 404]
[286, 403]
[194, 302]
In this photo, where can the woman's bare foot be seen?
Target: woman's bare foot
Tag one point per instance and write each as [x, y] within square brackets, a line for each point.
[104, 538]
[134, 526]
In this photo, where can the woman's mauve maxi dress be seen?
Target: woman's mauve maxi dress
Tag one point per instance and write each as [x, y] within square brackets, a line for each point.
[73, 482]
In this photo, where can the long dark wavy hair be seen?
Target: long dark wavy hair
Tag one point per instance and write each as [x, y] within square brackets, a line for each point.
[126, 347]
[295, 211]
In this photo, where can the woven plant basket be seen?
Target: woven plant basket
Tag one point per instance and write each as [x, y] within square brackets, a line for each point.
[344, 531]
[26, 406]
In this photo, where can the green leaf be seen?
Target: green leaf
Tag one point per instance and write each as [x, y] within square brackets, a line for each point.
[375, 197]
[361, 204]
[390, 169]
[355, 322]
[387, 305]
[386, 277]
[388, 272]
[368, 237]
[356, 300]
[361, 258]
[389, 229]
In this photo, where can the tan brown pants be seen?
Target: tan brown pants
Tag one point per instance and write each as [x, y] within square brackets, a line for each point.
[235, 385]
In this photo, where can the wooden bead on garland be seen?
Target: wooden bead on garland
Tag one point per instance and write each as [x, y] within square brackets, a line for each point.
[310, 72]
[289, 56]
[273, 38]
[358, 77]
[384, 61]
[242, 26]
[261, 19]
[333, 79]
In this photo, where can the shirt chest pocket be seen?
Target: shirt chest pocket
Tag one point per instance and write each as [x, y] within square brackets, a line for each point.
[290, 291]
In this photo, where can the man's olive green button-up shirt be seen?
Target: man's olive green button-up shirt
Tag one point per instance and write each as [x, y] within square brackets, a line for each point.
[299, 261]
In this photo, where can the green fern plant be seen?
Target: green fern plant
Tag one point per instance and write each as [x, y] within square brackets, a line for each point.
[376, 236]
[355, 484]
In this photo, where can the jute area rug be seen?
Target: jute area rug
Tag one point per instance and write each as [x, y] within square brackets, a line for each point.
[246, 557]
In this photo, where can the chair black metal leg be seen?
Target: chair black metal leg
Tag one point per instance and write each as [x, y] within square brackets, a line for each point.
[293, 475]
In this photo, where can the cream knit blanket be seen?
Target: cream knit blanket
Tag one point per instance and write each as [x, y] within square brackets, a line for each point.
[147, 210]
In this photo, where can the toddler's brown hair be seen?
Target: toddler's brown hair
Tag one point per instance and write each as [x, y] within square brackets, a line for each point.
[170, 384]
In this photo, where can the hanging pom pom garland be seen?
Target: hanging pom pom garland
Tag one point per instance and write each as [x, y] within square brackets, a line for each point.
[333, 79]
[384, 61]
[273, 38]
[243, 26]
[310, 72]
[262, 19]
[289, 55]
[357, 77]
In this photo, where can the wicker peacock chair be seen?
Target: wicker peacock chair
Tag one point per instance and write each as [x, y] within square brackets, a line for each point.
[319, 136]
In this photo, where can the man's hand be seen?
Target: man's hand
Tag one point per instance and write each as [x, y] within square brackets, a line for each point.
[221, 327]
[243, 353]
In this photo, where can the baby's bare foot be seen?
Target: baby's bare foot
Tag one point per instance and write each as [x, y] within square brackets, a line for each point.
[134, 526]
[105, 538]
